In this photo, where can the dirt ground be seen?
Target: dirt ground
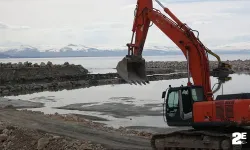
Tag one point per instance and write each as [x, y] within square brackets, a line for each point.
[26, 130]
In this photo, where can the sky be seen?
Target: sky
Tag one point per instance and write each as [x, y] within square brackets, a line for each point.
[107, 23]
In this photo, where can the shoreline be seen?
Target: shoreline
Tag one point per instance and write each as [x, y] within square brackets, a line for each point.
[28, 78]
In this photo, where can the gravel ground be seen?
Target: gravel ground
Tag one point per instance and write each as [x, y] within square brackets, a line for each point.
[16, 137]
[27, 130]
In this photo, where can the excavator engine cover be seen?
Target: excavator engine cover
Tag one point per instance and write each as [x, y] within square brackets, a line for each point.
[132, 69]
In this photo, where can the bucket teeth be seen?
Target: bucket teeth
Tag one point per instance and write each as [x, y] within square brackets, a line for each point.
[221, 72]
[132, 70]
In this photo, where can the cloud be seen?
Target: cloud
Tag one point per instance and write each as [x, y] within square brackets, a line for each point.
[3, 26]
[89, 22]
[235, 46]
[6, 26]
[104, 26]
[201, 22]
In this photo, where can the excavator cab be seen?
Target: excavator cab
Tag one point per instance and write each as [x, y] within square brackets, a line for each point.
[178, 104]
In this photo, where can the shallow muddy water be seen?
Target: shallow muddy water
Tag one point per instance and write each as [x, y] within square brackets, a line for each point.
[122, 105]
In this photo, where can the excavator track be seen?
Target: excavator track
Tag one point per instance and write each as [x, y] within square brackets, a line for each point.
[194, 140]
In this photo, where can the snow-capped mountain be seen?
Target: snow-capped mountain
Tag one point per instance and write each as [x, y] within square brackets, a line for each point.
[72, 47]
[72, 50]
[46, 48]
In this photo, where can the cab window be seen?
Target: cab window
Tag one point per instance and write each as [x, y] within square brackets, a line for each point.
[173, 99]
[197, 94]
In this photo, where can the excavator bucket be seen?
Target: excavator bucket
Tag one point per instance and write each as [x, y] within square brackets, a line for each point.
[222, 71]
[132, 69]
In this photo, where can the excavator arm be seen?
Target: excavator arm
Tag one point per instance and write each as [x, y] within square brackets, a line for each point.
[132, 67]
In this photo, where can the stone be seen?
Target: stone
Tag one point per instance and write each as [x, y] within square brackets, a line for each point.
[8, 65]
[3, 137]
[10, 127]
[42, 143]
[33, 143]
[56, 137]
[9, 144]
[36, 65]
[5, 92]
[36, 87]
[15, 65]
[49, 63]
[85, 146]
[26, 64]
[6, 131]
[66, 63]
[20, 64]
[42, 64]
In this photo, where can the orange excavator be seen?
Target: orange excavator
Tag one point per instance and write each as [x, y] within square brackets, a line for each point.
[212, 120]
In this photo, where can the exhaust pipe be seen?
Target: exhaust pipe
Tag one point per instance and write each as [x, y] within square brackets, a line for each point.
[132, 69]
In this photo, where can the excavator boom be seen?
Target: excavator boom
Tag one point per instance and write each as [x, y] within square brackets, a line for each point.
[132, 67]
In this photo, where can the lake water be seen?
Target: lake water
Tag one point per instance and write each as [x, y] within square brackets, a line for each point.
[107, 64]
[140, 95]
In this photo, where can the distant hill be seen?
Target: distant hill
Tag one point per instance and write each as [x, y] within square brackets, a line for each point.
[2, 55]
[72, 50]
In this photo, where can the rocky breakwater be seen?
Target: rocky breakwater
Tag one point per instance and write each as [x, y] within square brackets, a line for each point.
[28, 72]
[23, 78]
[237, 65]
[26, 78]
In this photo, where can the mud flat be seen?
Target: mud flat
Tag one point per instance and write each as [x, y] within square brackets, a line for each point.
[9, 103]
[118, 110]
